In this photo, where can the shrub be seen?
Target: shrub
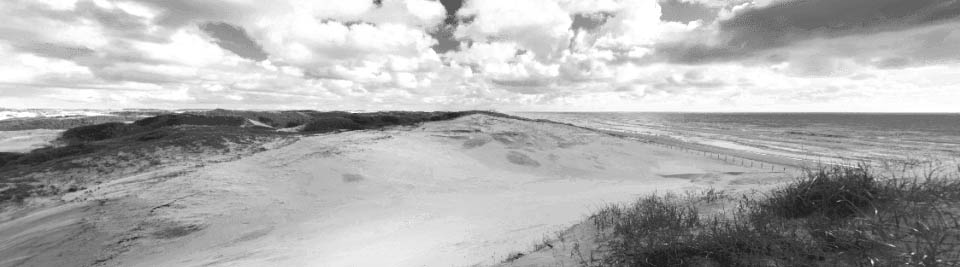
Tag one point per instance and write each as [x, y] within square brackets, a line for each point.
[294, 124]
[50, 153]
[331, 124]
[189, 119]
[832, 192]
[659, 231]
[97, 132]
[61, 123]
[16, 192]
[266, 120]
[8, 157]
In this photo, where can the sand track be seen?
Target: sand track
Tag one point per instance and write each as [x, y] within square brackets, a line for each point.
[454, 193]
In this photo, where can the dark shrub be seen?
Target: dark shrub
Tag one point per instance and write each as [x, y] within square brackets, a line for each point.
[153, 135]
[8, 157]
[51, 153]
[189, 119]
[390, 119]
[442, 116]
[97, 132]
[266, 120]
[16, 192]
[362, 119]
[832, 192]
[657, 231]
[331, 124]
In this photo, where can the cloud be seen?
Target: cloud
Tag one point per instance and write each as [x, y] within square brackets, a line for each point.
[589, 21]
[782, 23]
[55, 50]
[518, 55]
[234, 39]
[539, 26]
[686, 11]
[444, 33]
[751, 29]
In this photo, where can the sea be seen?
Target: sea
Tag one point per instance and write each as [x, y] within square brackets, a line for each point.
[934, 123]
[858, 136]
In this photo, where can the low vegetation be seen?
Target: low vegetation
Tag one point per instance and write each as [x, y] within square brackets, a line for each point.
[91, 153]
[837, 216]
[55, 170]
[358, 121]
[62, 123]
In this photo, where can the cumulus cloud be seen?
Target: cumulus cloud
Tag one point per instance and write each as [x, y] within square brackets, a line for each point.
[454, 54]
[539, 26]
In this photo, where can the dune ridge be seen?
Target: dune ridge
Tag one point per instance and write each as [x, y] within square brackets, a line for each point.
[446, 193]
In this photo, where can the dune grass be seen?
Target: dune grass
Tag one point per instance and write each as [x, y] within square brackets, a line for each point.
[90, 153]
[835, 216]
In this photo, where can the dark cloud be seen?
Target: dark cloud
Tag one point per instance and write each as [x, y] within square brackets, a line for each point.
[584, 21]
[686, 11]
[697, 53]
[234, 39]
[446, 41]
[785, 23]
[780, 24]
[452, 6]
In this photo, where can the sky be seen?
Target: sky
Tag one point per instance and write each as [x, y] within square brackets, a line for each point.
[508, 55]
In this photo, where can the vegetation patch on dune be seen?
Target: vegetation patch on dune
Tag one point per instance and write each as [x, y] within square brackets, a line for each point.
[20, 124]
[94, 153]
[837, 216]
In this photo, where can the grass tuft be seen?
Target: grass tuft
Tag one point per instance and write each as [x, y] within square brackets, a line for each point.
[832, 192]
[837, 216]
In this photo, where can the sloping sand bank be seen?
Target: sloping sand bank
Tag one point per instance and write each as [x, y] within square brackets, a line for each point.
[26, 140]
[453, 193]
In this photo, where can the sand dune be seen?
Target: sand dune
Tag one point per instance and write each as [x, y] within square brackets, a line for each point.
[453, 193]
